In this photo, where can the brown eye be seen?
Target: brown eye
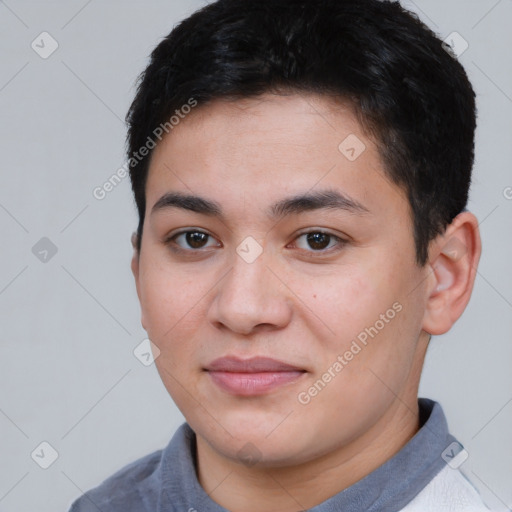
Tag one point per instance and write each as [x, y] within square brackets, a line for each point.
[190, 240]
[195, 239]
[319, 241]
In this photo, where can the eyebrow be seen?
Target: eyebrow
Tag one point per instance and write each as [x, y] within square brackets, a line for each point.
[294, 205]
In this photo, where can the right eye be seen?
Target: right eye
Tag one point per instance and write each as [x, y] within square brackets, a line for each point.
[190, 240]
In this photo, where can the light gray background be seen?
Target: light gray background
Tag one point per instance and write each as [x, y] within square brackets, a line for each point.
[69, 326]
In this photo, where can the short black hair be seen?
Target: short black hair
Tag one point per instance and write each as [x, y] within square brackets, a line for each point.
[407, 88]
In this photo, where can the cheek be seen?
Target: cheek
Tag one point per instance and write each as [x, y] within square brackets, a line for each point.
[173, 307]
[364, 311]
[348, 301]
[171, 301]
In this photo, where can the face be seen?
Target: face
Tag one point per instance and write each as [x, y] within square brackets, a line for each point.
[281, 322]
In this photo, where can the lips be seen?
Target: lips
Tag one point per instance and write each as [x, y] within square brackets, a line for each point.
[252, 365]
[254, 376]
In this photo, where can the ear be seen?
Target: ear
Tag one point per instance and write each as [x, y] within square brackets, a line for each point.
[453, 259]
[135, 264]
[135, 261]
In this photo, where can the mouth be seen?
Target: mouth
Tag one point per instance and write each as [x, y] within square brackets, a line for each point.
[251, 377]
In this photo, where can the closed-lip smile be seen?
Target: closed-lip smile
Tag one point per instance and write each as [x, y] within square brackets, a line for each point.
[253, 376]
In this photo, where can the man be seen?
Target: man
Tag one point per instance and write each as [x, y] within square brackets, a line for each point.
[301, 171]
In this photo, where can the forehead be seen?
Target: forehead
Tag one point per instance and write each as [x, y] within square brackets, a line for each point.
[270, 117]
[268, 147]
[280, 120]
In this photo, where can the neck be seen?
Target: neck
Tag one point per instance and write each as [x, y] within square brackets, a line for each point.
[289, 489]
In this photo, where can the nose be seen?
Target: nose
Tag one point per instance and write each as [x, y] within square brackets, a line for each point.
[251, 297]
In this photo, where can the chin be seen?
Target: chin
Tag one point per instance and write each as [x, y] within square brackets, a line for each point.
[252, 438]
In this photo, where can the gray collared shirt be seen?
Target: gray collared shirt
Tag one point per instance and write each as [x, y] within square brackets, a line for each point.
[166, 481]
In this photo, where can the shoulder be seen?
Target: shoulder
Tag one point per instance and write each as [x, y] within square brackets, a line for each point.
[122, 490]
[448, 491]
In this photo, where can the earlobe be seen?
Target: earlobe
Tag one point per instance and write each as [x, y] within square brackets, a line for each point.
[454, 259]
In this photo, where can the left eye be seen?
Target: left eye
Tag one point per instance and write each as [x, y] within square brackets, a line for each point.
[318, 240]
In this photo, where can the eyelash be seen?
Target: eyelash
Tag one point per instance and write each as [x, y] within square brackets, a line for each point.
[170, 242]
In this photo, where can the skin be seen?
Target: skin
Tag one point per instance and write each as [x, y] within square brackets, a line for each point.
[294, 303]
